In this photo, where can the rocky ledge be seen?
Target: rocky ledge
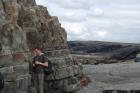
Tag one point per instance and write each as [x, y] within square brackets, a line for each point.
[23, 26]
[117, 78]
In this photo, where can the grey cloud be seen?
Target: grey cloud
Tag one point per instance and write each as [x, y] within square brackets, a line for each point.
[72, 4]
[86, 20]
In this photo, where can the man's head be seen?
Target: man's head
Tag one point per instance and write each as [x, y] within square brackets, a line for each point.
[37, 51]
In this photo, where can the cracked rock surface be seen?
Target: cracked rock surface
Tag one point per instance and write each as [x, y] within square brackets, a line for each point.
[113, 77]
[24, 26]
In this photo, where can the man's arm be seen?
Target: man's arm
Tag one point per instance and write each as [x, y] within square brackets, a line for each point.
[45, 64]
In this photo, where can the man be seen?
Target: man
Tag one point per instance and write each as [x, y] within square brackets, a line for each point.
[39, 62]
[1, 82]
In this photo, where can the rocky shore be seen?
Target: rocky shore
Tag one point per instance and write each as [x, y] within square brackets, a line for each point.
[119, 76]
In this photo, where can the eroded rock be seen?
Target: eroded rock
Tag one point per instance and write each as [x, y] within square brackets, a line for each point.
[24, 26]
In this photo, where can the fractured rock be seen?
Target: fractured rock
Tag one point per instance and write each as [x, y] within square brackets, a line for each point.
[24, 26]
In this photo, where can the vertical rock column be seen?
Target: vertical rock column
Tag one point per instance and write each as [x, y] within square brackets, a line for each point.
[45, 31]
[13, 60]
[24, 26]
[13, 49]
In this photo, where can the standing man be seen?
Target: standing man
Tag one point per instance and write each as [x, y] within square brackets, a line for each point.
[1, 82]
[39, 62]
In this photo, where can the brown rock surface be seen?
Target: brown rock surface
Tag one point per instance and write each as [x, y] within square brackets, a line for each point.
[23, 26]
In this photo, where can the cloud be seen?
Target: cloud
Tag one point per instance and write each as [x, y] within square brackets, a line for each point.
[107, 20]
[72, 4]
[72, 15]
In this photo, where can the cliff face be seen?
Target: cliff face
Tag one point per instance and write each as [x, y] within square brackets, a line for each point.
[23, 26]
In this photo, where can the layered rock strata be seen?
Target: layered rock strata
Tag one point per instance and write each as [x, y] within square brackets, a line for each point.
[24, 26]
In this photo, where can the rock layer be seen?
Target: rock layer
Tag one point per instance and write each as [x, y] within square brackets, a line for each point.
[24, 26]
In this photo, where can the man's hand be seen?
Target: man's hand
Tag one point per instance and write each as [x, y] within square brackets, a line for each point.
[38, 63]
[33, 65]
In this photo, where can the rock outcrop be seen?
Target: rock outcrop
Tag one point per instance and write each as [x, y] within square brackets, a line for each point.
[24, 26]
[137, 59]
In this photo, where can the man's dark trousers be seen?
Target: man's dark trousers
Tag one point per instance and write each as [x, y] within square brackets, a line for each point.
[38, 80]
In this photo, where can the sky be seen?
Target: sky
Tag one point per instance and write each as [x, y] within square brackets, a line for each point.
[97, 20]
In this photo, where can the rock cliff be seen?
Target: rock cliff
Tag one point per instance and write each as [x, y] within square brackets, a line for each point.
[23, 26]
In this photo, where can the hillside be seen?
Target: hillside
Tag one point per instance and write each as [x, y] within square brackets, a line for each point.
[103, 52]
